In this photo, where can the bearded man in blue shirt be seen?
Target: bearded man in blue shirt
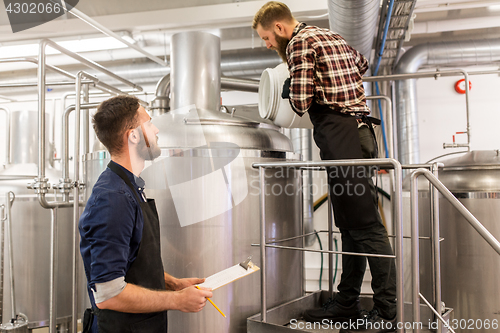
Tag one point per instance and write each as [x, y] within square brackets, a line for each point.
[120, 236]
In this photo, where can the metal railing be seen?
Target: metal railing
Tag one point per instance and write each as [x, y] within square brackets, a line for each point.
[430, 171]
[436, 186]
[397, 218]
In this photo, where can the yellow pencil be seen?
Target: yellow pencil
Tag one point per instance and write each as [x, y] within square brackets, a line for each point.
[215, 306]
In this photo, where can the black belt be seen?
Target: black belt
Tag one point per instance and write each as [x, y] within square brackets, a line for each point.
[370, 121]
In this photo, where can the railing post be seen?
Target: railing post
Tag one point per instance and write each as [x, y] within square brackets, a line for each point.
[415, 255]
[263, 293]
[436, 247]
[398, 218]
[330, 245]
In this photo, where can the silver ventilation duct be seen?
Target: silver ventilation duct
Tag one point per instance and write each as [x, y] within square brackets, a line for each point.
[356, 21]
[455, 53]
[195, 73]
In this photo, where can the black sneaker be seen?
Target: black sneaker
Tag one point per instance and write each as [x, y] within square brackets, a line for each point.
[372, 323]
[334, 312]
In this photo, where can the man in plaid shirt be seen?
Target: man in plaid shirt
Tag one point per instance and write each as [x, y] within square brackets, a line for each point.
[326, 81]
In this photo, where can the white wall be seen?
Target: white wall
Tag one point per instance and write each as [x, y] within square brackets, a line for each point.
[441, 113]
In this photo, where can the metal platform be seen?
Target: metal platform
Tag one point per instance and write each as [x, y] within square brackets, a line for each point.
[288, 317]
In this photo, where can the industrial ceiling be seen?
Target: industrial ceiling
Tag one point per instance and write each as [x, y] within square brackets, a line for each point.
[151, 23]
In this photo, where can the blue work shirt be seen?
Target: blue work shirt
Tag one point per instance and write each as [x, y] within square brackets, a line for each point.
[111, 228]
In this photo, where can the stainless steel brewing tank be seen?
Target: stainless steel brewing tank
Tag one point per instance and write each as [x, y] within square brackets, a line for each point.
[207, 197]
[31, 232]
[470, 267]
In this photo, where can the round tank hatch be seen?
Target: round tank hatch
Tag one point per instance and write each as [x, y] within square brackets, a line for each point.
[191, 128]
[477, 170]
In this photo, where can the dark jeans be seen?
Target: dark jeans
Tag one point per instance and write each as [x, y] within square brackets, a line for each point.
[338, 137]
[372, 240]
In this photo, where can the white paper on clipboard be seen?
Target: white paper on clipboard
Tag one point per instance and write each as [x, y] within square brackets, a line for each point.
[228, 275]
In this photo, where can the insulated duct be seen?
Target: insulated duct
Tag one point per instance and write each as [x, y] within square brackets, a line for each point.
[356, 21]
[454, 53]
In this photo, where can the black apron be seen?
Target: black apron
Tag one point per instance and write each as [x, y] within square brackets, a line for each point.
[336, 135]
[146, 271]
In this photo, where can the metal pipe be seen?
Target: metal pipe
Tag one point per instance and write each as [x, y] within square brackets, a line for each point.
[446, 323]
[335, 232]
[162, 91]
[445, 5]
[389, 163]
[436, 246]
[87, 62]
[330, 252]
[34, 84]
[86, 122]
[53, 275]
[161, 103]
[110, 33]
[240, 63]
[398, 218]
[3, 219]
[66, 180]
[239, 84]
[407, 121]
[443, 53]
[415, 257]
[35, 61]
[8, 99]
[41, 185]
[488, 237]
[395, 132]
[76, 199]
[389, 121]
[295, 237]
[11, 253]
[41, 125]
[263, 294]
[330, 247]
[7, 135]
[436, 74]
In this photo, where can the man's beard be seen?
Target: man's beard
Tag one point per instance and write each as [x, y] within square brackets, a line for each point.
[146, 149]
[281, 47]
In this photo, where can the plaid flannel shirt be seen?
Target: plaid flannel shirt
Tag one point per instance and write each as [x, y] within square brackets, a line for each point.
[324, 68]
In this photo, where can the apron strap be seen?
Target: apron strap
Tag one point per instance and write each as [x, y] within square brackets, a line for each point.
[119, 171]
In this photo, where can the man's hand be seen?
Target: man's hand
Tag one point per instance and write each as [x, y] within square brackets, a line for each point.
[191, 299]
[188, 282]
[172, 283]
[285, 94]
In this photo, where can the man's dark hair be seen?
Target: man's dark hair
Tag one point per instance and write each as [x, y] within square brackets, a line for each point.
[271, 12]
[113, 117]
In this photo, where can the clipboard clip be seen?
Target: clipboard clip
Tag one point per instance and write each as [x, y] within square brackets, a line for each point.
[246, 264]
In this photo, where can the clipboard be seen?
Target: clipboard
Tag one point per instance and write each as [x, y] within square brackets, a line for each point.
[230, 275]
